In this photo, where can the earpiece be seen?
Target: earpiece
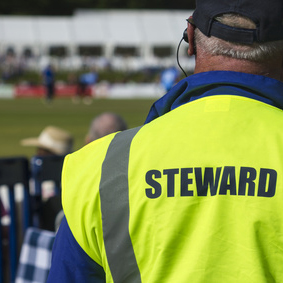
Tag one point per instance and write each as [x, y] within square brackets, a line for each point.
[185, 36]
[186, 39]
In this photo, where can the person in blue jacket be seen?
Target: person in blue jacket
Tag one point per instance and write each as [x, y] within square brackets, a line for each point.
[195, 194]
[48, 75]
[169, 77]
[85, 82]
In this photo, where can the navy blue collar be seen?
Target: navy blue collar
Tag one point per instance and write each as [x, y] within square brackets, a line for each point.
[200, 85]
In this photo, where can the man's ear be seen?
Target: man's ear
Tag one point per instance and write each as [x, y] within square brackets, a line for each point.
[191, 36]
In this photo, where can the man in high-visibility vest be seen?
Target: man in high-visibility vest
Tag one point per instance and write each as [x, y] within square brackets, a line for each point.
[195, 194]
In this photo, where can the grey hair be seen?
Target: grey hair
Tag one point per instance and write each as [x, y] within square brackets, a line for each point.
[105, 124]
[255, 52]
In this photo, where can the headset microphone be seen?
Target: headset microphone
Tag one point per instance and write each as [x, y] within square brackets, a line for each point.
[185, 38]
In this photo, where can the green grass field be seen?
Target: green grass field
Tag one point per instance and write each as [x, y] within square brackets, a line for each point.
[26, 117]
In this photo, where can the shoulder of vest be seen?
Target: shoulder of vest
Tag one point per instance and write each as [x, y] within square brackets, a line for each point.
[81, 177]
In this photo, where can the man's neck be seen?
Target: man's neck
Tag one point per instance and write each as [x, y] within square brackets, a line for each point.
[270, 68]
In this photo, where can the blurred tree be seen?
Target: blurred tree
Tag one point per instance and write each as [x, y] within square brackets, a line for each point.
[67, 7]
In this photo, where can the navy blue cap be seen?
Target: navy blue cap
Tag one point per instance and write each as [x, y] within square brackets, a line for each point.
[266, 14]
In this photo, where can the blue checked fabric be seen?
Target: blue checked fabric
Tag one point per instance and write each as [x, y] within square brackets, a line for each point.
[35, 256]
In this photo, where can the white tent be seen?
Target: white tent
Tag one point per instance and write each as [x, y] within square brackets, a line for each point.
[53, 31]
[89, 30]
[140, 30]
[17, 33]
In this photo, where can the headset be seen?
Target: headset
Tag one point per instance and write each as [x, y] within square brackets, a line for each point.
[185, 38]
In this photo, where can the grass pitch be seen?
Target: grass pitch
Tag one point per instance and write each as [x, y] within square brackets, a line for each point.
[26, 117]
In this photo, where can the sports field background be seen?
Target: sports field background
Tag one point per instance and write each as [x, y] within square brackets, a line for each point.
[26, 117]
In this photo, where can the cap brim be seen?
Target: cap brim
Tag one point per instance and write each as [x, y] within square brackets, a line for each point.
[31, 142]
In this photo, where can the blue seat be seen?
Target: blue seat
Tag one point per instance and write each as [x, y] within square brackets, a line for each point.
[14, 170]
[47, 168]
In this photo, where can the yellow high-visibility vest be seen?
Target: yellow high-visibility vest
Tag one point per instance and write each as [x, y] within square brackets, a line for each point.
[194, 196]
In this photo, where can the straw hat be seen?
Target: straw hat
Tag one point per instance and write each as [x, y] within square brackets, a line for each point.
[52, 138]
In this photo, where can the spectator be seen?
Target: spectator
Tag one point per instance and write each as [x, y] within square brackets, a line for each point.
[194, 195]
[85, 83]
[105, 124]
[51, 141]
[49, 82]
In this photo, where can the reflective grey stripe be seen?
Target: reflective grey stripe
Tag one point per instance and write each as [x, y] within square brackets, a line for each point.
[115, 209]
